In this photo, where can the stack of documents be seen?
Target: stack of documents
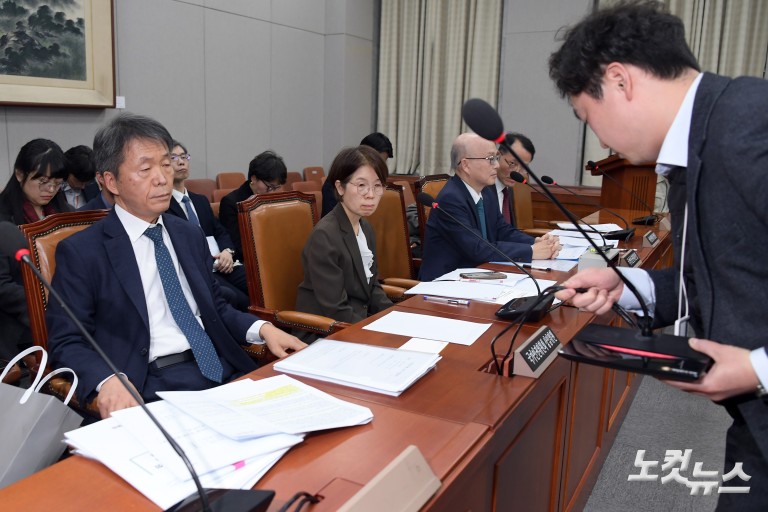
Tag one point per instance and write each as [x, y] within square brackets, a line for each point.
[232, 435]
[498, 291]
[379, 369]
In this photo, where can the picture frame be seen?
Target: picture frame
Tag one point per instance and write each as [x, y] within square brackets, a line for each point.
[96, 90]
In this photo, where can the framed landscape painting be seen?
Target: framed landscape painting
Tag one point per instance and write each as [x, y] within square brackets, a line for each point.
[57, 53]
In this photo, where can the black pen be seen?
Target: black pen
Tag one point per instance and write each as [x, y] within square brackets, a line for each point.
[528, 265]
[446, 300]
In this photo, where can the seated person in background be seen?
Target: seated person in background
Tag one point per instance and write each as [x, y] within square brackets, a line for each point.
[375, 140]
[104, 200]
[340, 273]
[470, 198]
[141, 283]
[508, 164]
[79, 187]
[266, 173]
[32, 193]
[197, 209]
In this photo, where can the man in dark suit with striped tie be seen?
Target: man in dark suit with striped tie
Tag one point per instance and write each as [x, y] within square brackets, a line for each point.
[508, 164]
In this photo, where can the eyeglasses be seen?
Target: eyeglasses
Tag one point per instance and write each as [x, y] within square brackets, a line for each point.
[271, 187]
[513, 164]
[363, 188]
[183, 156]
[45, 182]
[493, 160]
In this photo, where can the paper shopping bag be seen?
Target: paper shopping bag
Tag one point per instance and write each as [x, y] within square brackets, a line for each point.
[32, 426]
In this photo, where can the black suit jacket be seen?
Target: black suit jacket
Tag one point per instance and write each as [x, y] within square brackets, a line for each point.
[448, 246]
[208, 222]
[725, 187]
[98, 276]
[97, 203]
[228, 215]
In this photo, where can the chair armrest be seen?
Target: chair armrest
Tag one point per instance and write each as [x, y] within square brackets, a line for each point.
[298, 320]
[537, 231]
[400, 282]
[59, 387]
[394, 293]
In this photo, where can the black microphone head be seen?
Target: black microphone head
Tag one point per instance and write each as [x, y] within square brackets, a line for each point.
[483, 119]
[426, 199]
[592, 165]
[11, 240]
[516, 176]
[548, 180]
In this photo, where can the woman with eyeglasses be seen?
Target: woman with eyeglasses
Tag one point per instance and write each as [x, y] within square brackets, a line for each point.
[339, 258]
[31, 194]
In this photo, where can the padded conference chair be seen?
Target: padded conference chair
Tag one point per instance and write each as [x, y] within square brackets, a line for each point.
[219, 193]
[307, 186]
[393, 252]
[431, 185]
[292, 177]
[273, 229]
[43, 237]
[229, 179]
[314, 173]
[203, 186]
[524, 211]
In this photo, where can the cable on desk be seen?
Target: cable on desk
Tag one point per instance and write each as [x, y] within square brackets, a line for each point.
[301, 498]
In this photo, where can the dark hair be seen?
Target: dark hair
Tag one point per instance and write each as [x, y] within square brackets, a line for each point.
[524, 141]
[351, 159]
[111, 140]
[269, 167]
[177, 143]
[38, 157]
[640, 33]
[79, 162]
[379, 142]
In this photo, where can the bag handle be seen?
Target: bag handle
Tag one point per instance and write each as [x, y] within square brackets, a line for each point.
[56, 372]
[40, 370]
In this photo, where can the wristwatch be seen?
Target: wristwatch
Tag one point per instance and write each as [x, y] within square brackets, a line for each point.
[230, 251]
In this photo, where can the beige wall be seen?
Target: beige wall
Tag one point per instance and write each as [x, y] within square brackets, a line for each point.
[230, 78]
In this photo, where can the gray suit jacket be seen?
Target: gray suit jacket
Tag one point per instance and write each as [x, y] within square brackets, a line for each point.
[334, 280]
[724, 186]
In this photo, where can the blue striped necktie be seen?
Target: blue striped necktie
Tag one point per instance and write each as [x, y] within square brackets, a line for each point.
[190, 211]
[202, 346]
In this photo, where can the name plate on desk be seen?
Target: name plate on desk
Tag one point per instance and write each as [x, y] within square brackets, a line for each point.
[650, 239]
[536, 353]
[629, 259]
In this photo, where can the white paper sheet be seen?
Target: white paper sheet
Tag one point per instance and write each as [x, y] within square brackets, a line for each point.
[603, 228]
[429, 327]
[422, 345]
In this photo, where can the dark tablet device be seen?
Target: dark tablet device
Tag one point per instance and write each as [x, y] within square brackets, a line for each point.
[663, 356]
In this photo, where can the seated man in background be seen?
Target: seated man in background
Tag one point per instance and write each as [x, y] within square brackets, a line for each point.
[266, 173]
[104, 200]
[197, 209]
[141, 283]
[375, 140]
[508, 164]
[79, 187]
[470, 198]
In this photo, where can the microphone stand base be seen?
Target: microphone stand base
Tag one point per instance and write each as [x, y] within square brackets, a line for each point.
[514, 309]
[648, 220]
[622, 234]
[229, 500]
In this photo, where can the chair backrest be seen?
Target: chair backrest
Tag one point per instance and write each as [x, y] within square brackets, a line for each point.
[230, 179]
[292, 177]
[307, 186]
[431, 185]
[204, 186]
[523, 206]
[408, 196]
[215, 207]
[43, 237]
[219, 193]
[313, 173]
[273, 230]
[393, 252]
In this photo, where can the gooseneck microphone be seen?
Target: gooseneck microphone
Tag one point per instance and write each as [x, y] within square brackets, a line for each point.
[486, 122]
[523, 308]
[622, 234]
[12, 243]
[648, 220]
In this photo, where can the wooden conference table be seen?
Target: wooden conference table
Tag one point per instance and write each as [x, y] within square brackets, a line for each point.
[495, 443]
